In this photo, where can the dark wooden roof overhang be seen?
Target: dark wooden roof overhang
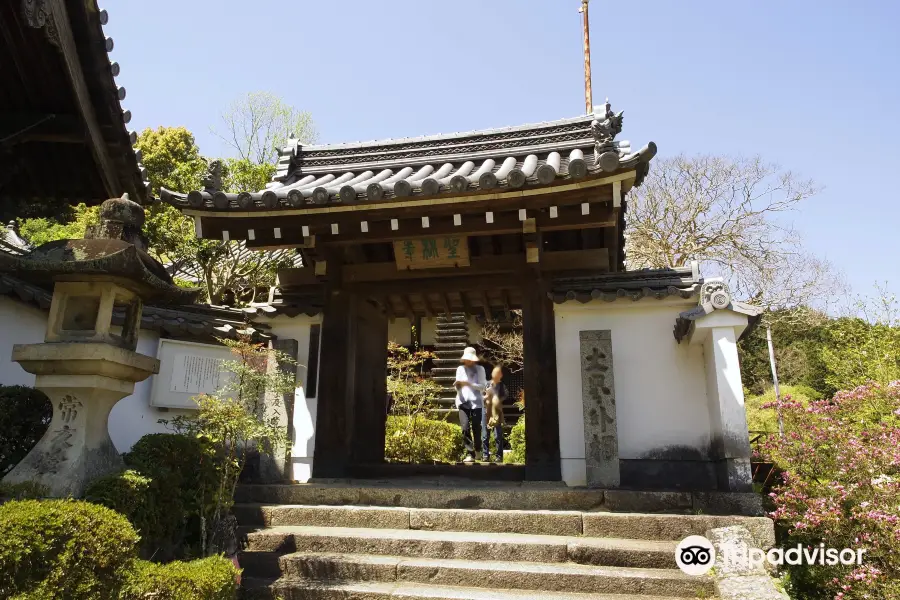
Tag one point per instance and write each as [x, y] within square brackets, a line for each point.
[63, 133]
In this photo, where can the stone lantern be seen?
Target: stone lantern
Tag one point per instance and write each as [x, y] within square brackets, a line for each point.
[86, 363]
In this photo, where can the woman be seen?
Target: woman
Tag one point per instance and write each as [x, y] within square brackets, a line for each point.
[470, 383]
[494, 397]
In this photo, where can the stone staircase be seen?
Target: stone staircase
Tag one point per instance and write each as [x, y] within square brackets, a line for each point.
[451, 338]
[319, 549]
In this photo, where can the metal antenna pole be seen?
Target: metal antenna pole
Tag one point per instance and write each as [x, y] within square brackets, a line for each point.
[588, 95]
[775, 379]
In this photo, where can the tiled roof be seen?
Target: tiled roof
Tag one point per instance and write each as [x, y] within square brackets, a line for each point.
[681, 282]
[491, 160]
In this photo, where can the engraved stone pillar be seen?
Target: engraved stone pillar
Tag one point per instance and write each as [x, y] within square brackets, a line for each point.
[83, 381]
[601, 440]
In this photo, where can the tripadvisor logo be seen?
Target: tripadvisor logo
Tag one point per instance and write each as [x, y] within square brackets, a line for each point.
[695, 555]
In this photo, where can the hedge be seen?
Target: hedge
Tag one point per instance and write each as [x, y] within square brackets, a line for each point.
[155, 513]
[210, 578]
[419, 439]
[63, 549]
[517, 443]
[25, 414]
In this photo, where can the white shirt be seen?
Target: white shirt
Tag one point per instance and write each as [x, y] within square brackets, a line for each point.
[476, 376]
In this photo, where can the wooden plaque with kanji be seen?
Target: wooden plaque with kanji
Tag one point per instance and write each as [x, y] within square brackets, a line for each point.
[431, 253]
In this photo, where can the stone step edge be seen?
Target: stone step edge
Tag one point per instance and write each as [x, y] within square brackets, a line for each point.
[598, 525]
[556, 568]
[417, 591]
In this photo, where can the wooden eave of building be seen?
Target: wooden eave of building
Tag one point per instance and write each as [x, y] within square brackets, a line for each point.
[63, 132]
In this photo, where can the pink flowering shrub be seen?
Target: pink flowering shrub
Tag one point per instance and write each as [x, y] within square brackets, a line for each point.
[841, 486]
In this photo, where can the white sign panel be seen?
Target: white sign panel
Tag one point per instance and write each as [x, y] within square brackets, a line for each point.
[187, 370]
[195, 374]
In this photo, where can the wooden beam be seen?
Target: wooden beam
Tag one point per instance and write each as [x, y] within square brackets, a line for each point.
[569, 260]
[407, 306]
[445, 302]
[467, 307]
[428, 311]
[381, 231]
[486, 306]
[82, 97]
[504, 296]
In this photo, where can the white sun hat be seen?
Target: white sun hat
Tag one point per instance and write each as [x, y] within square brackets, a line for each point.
[469, 354]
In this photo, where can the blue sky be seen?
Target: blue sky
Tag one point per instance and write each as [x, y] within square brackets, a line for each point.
[813, 86]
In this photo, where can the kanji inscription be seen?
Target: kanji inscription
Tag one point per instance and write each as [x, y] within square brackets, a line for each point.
[601, 440]
[432, 253]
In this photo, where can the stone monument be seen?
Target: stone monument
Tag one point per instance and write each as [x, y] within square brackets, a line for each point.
[87, 363]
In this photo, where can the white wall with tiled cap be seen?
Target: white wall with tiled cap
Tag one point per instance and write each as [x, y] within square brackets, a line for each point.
[660, 386]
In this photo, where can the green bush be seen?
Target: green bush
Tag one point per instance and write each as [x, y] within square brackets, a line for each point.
[210, 578]
[183, 463]
[24, 417]
[517, 443]
[766, 419]
[63, 549]
[419, 439]
[26, 490]
[156, 513]
[183, 470]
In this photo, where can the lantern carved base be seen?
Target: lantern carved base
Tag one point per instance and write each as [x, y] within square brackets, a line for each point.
[83, 381]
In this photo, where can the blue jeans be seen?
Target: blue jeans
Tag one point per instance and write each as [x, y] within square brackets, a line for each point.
[485, 438]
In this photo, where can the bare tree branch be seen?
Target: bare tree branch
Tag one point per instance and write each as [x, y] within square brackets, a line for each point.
[730, 215]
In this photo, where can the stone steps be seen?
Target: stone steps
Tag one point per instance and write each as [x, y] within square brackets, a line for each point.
[502, 541]
[534, 495]
[488, 575]
[289, 589]
[632, 526]
[465, 545]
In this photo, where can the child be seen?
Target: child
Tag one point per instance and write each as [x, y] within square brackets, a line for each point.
[494, 397]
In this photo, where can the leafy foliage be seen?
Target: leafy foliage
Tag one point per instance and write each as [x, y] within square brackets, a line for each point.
[234, 422]
[419, 439]
[517, 443]
[865, 348]
[147, 503]
[210, 578]
[25, 490]
[63, 549]
[411, 392]
[25, 414]
[70, 225]
[172, 158]
[841, 487]
[761, 419]
[258, 124]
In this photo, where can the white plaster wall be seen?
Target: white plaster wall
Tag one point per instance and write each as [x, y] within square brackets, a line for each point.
[660, 385]
[20, 323]
[400, 332]
[303, 444]
[132, 417]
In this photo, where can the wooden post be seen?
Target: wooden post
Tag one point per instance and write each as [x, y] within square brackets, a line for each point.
[336, 393]
[542, 454]
[588, 93]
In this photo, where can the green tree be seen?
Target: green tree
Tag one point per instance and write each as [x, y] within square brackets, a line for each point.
[228, 272]
[41, 230]
[257, 125]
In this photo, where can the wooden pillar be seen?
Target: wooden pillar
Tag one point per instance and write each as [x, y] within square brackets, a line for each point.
[542, 455]
[370, 411]
[337, 381]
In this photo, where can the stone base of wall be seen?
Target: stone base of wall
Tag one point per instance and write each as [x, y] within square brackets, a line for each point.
[730, 475]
